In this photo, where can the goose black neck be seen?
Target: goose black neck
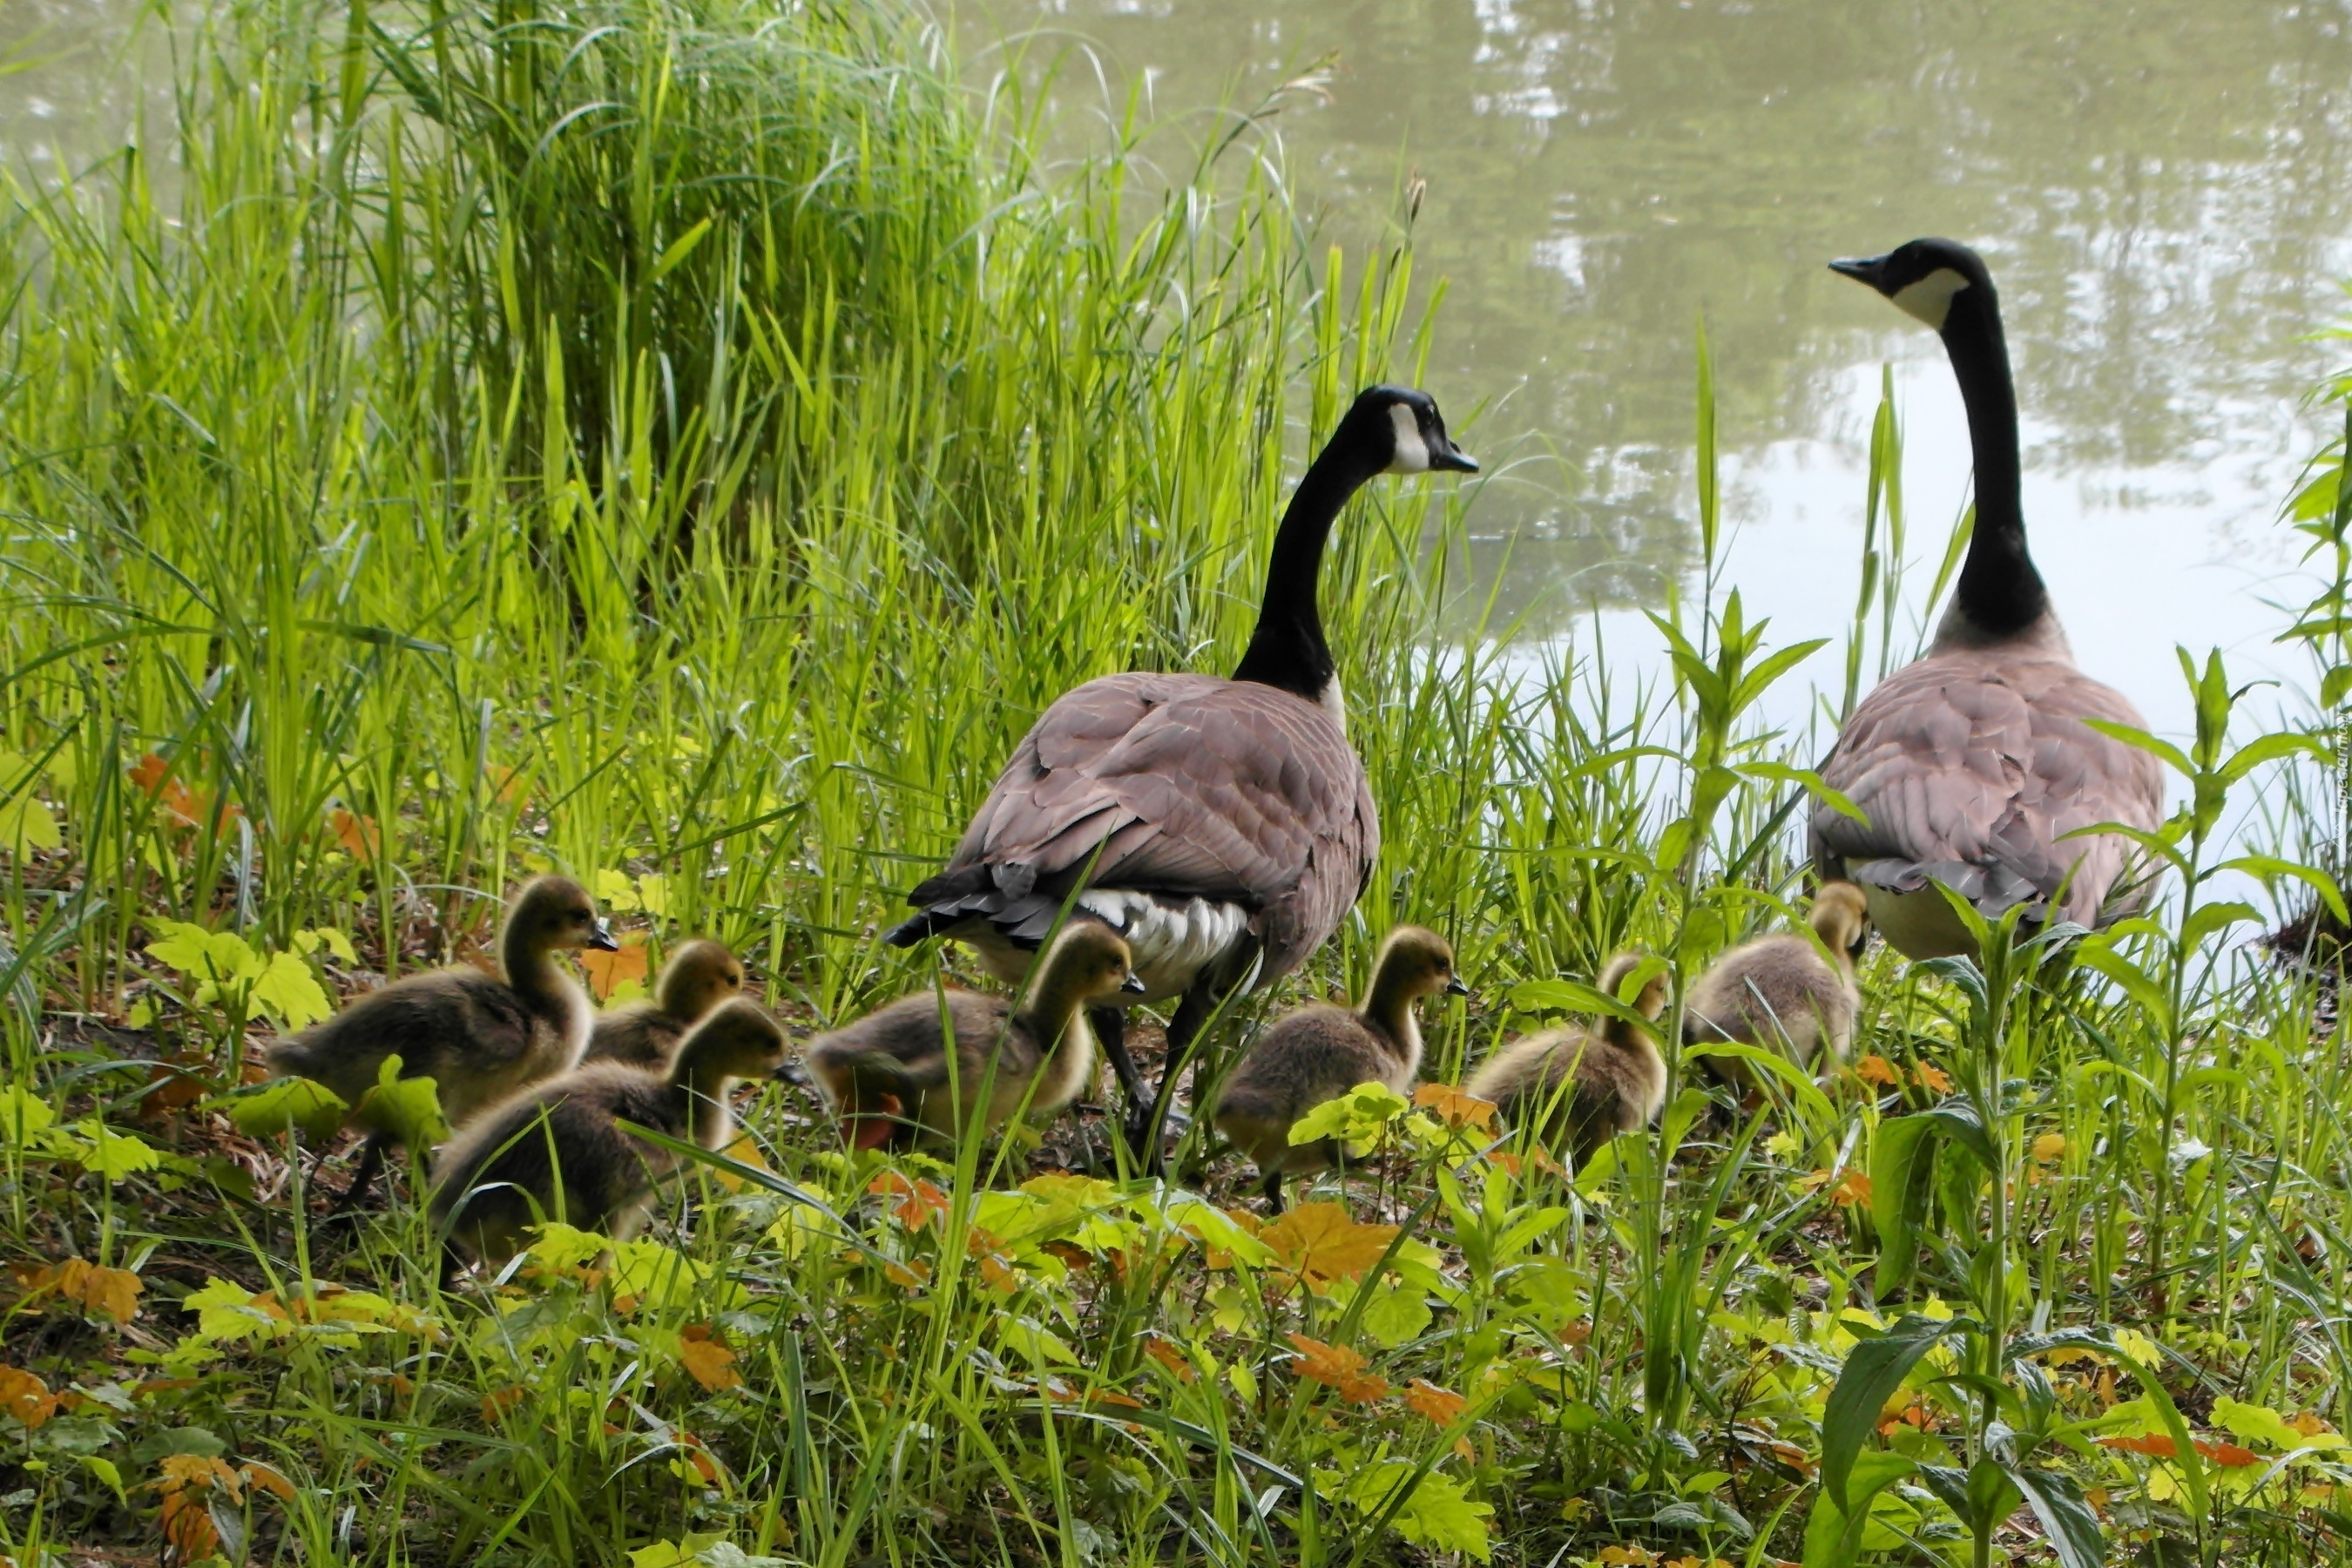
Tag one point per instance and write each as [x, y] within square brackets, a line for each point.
[2000, 591]
[1287, 649]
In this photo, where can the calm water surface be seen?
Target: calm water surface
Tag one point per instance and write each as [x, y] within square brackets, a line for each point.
[2161, 190]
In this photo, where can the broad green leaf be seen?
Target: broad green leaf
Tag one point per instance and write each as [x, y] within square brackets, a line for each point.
[2268, 749]
[201, 954]
[24, 1115]
[2067, 1521]
[1396, 1315]
[1897, 1197]
[1874, 1370]
[1799, 1082]
[309, 942]
[1812, 785]
[653, 893]
[1431, 1512]
[1356, 1118]
[290, 993]
[2207, 918]
[687, 1549]
[2171, 754]
[409, 1109]
[284, 1103]
[616, 891]
[2270, 867]
[558, 1246]
[1834, 1536]
[2260, 1424]
[26, 824]
[111, 1154]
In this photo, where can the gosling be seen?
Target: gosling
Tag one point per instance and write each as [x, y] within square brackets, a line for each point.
[1320, 1052]
[479, 1037]
[1580, 1088]
[1780, 990]
[887, 1076]
[561, 1152]
[697, 977]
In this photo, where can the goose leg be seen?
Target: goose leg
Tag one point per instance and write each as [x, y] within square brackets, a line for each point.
[1147, 1123]
[370, 1162]
[1274, 1191]
[1109, 1025]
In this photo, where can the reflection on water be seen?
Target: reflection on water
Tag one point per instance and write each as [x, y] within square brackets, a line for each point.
[2159, 186]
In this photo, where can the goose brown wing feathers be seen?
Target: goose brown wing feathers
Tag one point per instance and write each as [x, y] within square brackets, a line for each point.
[1193, 786]
[1971, 774]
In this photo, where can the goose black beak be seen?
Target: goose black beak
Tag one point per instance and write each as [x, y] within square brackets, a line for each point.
[1134, 982]
[1445, 458]
[602, 940]
[1454, 987]
[1860, 269]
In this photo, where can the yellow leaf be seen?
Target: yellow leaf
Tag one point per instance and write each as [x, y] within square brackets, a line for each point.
[1320, 1243]
[1455, 1108]
[608, 972]
[25, 1397]
[1337, 1367]
[2049, 1146]
[709, 1363]
[1441, 1406]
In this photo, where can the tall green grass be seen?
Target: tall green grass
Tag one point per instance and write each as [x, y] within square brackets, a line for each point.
[685, 444]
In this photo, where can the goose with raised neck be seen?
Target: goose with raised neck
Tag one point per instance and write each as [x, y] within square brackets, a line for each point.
[1974, 765]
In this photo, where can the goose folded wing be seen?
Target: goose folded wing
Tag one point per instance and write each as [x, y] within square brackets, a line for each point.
[1192, 786]
[1971, 777]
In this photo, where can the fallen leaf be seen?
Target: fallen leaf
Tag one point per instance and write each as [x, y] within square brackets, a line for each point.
[112, 1291]
[188, 1527]
[1337, 1367]
[919, 1200]
[710, 1361]
[1935, 1079]
[1169, 1356]
[909, 1274]
[2229, 1456]
[1441, 1406]
[263, 1478]
[1851, 1186]
[359, 835]
[1455, 1108]
[1321, 1243]
[2156, 1444]
[1877, 1069]
[25, 1397]
[608, 972]
[497, 1402]
[2049, 1146]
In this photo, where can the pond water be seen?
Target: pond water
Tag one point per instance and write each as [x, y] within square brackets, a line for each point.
[2159, 187]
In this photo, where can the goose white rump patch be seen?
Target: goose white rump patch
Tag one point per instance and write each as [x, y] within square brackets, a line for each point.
[1172, 939]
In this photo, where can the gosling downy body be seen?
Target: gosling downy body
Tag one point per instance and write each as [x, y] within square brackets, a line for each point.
[1779, 993]
[1575, 1087]
[699, 977]
[560, 1151]
[1974, 763]
[1320, 1052]
[1215, 823]
[897, 1076]
[479, 1037]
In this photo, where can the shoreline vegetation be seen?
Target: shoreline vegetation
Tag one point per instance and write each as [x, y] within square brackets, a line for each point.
[684, 443]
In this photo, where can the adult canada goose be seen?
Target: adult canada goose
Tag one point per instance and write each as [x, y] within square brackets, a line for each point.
[1973, 763]
[888, 1077]
[1778, 991]
[561, 1152]
[1320, 1052]
[479, 1037]
[699, 977]
[1214, 822]
[1577, 1087]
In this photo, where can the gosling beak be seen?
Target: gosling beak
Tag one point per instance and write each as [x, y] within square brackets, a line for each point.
[1446, 457]
[1134, 982]
[1454, 987]
[602, 940]
[1860, 269]
[788, 1073]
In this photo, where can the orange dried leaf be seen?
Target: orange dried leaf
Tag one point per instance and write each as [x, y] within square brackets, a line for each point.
[1935, 1079]
[26, 1397]
[708, 1360]
[908, 1275]
[264, 1477]
[1879, 1070]
[2155, 1445]
[1320, 1243]
[1442, 1406]
[2229, 1456]
[1455, 1108]
[499, 1401]
[2309, 1425]
[608, 972]
[1169, 1356]
[112, 1291]
[188, 1528]
[357, 833]
[1337, 1367]
[919, 1200]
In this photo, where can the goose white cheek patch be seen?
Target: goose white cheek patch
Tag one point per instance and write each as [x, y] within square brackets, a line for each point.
[1412, 452]
[1930, 299]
